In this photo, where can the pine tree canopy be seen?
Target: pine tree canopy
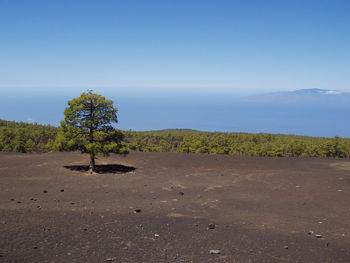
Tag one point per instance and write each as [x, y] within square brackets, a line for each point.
[88, 127]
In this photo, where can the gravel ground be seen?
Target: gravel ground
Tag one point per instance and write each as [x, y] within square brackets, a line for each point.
[170, 207]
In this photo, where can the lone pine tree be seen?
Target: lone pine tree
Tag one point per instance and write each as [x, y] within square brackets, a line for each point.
[88, 127]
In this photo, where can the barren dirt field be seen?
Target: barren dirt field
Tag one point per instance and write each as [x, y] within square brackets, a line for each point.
[169, 207]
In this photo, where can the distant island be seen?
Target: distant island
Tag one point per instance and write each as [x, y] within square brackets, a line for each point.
[304, 96]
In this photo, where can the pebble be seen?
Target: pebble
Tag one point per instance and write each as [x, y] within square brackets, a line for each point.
[285, 247]
[214, 251]
[211, 226]
[62, 190]
[45, 191]
[181, 193]
[110, 259]
[319, 236]
[138, 210]
[311, 232]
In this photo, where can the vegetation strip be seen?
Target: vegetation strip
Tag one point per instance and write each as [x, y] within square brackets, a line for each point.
[25, 137]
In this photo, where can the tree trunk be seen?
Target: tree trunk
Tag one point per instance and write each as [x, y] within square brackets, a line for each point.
[92, 165]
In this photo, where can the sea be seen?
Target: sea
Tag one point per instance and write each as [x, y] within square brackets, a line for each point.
[143, 111]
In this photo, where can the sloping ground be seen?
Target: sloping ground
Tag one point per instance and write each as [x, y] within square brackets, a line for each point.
[156, 207]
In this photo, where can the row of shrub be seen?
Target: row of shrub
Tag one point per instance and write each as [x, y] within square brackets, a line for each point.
[274, 145]
[25, 137]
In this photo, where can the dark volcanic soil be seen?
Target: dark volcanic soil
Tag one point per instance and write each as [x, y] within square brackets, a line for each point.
[156, 207]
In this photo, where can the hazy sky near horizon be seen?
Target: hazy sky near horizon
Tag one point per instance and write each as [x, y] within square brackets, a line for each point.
[174, 45]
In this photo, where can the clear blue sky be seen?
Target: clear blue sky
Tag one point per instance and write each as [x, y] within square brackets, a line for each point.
[182, 45]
